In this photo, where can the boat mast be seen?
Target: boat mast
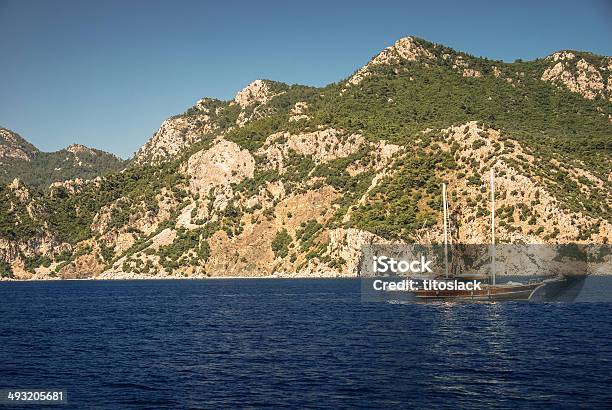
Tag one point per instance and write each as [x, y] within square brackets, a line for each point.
[492, 226]
[445, 230]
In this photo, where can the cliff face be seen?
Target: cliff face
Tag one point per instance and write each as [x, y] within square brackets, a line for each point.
[293, 180]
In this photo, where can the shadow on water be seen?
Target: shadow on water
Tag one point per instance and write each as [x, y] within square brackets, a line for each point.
[567, 289]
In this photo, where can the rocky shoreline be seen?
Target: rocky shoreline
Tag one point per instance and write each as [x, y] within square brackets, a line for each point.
[174, 277]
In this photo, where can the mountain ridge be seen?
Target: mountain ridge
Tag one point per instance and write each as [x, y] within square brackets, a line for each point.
[20, 159]
[412, 49]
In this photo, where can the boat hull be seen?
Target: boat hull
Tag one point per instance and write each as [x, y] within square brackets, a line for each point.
[487, 293]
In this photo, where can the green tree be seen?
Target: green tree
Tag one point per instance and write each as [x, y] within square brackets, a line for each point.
[281, 242]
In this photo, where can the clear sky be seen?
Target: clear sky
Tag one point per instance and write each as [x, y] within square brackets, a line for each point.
[107, 73]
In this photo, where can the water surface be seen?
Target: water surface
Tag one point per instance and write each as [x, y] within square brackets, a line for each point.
[235, 343]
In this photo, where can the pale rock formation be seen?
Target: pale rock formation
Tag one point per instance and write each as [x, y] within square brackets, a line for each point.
[561, 56]
[380, 161]
[404, 49]
[163, 238]
[72, 186]
[184, 219]
[242, 119]
[322, 145]
[579, 77]
[382, 154]
[174, 135]
[256, 92]
[80, 149]
[12, 146]
[460, 63]
[221, 165]
[20, 190]
[298, 112]
[300, 107]
[201, 105]
[468, 72]
[252, 100]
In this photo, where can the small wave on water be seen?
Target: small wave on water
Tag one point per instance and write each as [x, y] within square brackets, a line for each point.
[296, 343]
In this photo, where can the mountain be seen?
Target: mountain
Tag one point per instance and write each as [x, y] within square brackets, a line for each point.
[12, 146]
[20, 159]
[293, 180]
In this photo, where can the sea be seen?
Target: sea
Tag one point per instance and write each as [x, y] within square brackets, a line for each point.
[292, 343]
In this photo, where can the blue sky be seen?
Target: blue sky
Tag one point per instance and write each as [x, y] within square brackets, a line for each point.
[107, 73]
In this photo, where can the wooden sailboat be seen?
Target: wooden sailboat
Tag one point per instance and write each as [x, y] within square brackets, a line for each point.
[488, 291]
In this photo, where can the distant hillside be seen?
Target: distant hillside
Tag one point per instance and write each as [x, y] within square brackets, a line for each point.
[13, 146]
[20, 159]
[293, 180]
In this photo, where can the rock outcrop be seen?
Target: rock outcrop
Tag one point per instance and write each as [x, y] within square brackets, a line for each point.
[259, 91]
[174, 136]
[579, 75]
[221, 165]
[406, 48]
[13, 146]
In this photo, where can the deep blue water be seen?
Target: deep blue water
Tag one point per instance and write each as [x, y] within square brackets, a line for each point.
[296, 343]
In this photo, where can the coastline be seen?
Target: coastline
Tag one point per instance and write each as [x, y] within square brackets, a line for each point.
[169, 278]
[187, 278]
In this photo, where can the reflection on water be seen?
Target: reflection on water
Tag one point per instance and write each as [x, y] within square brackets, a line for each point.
[564, 289]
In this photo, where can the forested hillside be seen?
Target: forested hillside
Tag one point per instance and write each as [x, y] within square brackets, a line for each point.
[20, 159]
